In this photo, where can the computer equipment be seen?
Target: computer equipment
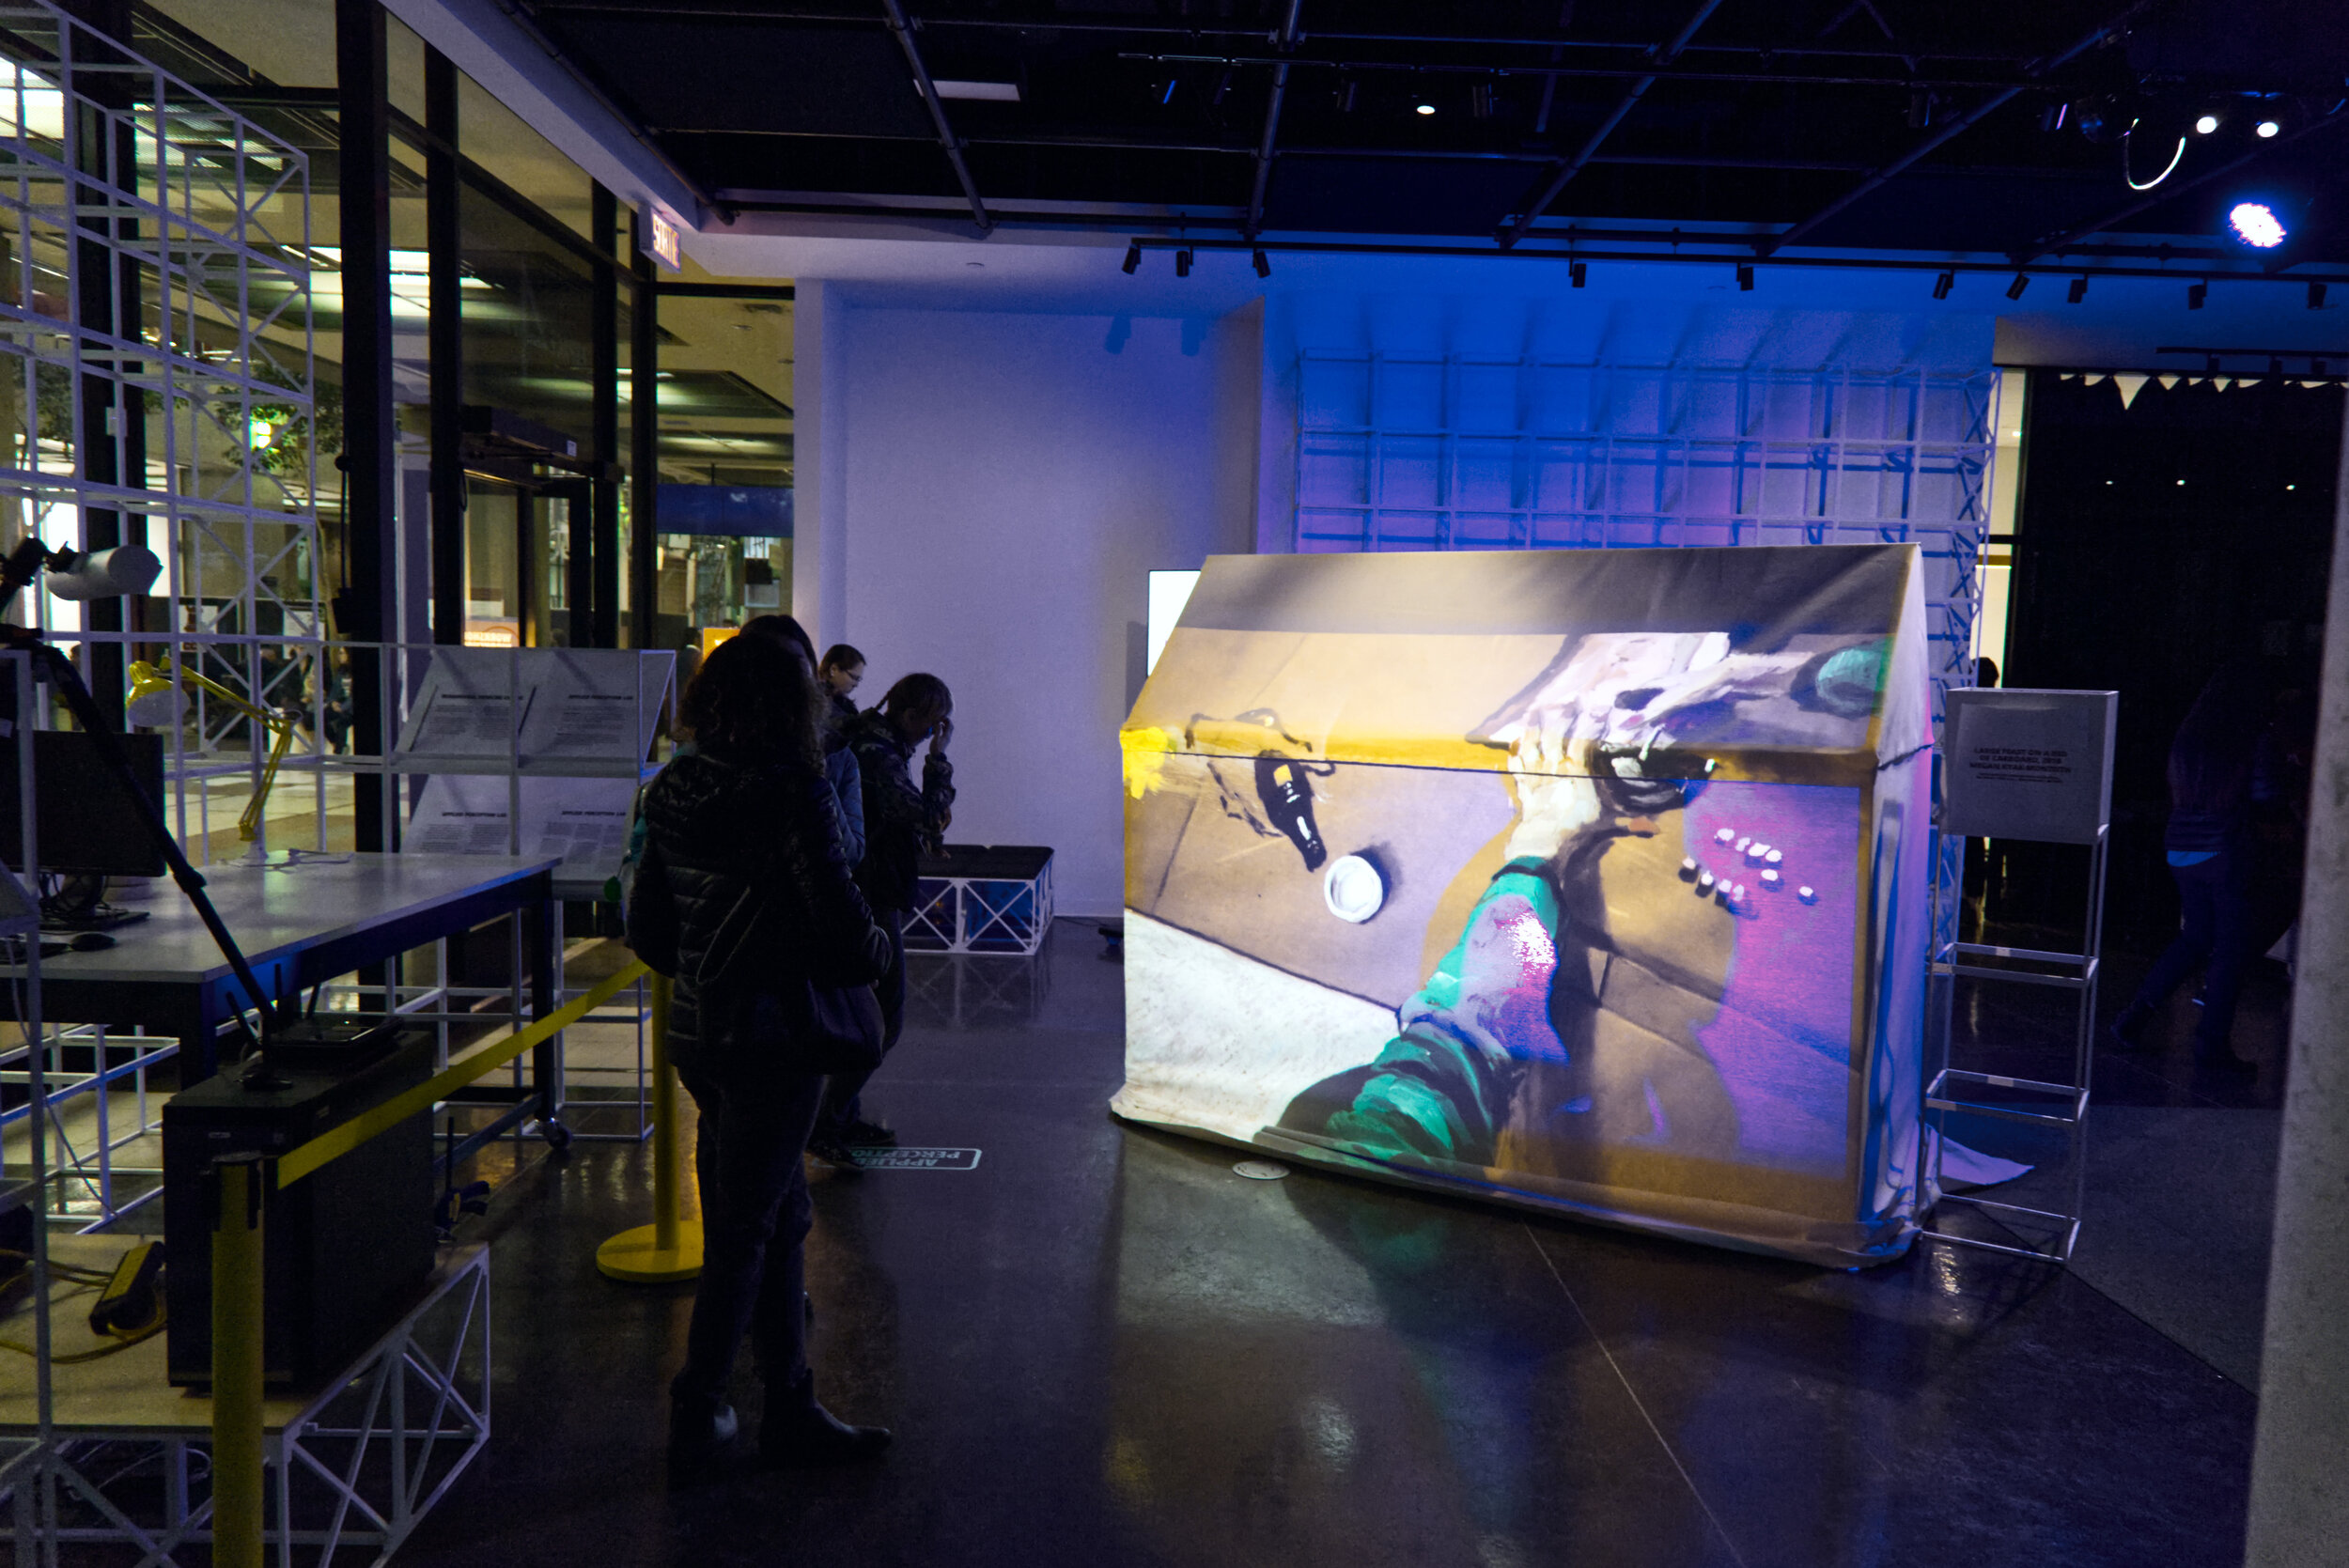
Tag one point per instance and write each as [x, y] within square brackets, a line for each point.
[341, 1248]
[86, 823]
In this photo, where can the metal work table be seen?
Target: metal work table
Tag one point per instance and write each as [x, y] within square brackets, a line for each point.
[301, 920]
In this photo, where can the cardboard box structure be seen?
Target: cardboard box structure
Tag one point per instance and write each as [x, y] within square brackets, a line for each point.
[1593, 881]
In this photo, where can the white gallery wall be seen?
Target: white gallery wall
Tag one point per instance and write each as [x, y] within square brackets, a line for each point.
[990, 489]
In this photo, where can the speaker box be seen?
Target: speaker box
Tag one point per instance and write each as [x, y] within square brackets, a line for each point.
[342, 1248]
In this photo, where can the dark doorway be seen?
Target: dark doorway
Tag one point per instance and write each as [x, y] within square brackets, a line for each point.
[2153, 543]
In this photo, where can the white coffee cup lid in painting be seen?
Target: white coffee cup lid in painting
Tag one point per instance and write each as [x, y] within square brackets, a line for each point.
[1354, 888]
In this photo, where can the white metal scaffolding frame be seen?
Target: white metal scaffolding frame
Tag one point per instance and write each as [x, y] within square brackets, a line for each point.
[353, 1466]
[2061, 1108]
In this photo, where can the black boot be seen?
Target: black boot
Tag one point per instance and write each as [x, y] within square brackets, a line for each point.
[2128, 1030]
[796, 1432]
[701, 1436]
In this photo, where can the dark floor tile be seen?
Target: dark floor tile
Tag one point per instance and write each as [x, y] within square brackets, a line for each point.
[1956, 1407]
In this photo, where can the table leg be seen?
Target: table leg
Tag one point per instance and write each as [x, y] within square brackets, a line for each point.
[544, 926]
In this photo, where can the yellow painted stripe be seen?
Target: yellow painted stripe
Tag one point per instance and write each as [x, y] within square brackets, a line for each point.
[339, 1141]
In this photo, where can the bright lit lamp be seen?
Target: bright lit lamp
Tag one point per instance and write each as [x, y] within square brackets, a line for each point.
[157, 700]
[2256, 225]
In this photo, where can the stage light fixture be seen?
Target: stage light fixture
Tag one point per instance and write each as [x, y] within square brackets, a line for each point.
[2078, 291]
[1579, 272]
[1182, 262]
[2316, 296]
[2256, 225]
[2207, 124]
[1744, 276]
[1424, 109]
[1134, 256]
[2195, 294]
[1942, 285]
[2015, 289]
[1263, 266]
[2267, 129]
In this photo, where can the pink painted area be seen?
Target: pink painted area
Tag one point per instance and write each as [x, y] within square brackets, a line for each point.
[1782, 1040]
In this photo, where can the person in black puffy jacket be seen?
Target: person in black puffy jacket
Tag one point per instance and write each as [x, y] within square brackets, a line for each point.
[750, 809]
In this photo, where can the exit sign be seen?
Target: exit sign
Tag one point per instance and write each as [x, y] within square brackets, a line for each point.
[661, 238]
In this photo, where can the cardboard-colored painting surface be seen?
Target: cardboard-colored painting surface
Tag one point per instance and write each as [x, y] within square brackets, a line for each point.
[1569, 917]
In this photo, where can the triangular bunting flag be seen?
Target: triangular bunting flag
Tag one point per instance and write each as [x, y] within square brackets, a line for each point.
[2166, 381]
[2130, 385]
[2222, 383]
[2095, 379]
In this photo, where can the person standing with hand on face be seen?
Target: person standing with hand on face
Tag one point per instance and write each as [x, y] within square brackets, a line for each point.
[901, 821]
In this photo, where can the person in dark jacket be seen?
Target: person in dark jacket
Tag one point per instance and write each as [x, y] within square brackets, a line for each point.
[749, 811]
[842, 670]
[2214, 777]
[901, 822]
[839, 758]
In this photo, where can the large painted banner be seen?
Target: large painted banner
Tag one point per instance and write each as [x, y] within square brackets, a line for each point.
[1592, 881]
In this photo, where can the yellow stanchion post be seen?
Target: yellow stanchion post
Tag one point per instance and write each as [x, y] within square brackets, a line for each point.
[237, 1489]
[669, 1249]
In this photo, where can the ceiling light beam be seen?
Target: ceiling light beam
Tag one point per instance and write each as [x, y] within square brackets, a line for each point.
[1631, 96]
[1948, 132]
[947, 137]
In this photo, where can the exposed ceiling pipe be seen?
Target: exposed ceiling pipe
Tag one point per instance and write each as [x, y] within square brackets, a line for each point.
[1960, 124]
[2048, 242]
[1287, 42]
[1534, 208]
[937, 106]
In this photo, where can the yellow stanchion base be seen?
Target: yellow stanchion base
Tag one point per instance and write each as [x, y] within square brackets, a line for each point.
[635, 1256]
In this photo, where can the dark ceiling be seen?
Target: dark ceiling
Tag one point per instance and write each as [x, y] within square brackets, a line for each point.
[1910, 125]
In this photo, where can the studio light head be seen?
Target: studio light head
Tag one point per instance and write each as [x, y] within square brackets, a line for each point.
[2015, 289]
[2256, 225]
[2196, 293]
[1578, 273]
[2078, 291]
[1134, 256]
[1745, 277]
[104, 574]
[1182, 262]
[80, 574]
[1942, 285]
[1262, 264]
[2316, 296]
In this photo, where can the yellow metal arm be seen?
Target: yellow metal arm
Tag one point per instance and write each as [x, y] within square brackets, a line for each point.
[145, 680]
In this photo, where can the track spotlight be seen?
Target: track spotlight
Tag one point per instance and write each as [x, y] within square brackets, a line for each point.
[2316, 296]
[1423, 109]
[2267, 129]
[1942, 285]
[2195, 294]
[1579, 272]
[2256, 225]
[2078, 291]
[2205, 125]
[1744, 276]
[1182, 262]
[1133, 256]
[1263, 266]
[2015, 289]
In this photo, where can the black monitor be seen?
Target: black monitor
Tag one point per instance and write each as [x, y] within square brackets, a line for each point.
[86, 824]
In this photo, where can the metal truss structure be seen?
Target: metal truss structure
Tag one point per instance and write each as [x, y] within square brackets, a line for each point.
[981, 914]
[155, 316]
[353, 1468]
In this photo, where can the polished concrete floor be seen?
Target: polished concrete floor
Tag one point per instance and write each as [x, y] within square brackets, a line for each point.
[1102, 1346]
